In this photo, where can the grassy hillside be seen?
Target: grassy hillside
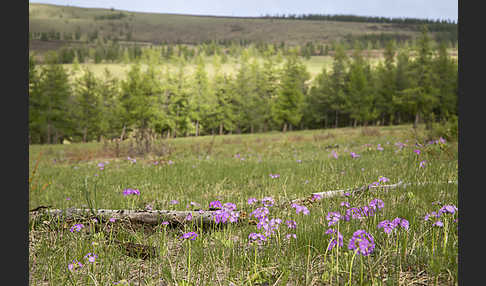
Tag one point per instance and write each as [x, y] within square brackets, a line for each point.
[173, 28]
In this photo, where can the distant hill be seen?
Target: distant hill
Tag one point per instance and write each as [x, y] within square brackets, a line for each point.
[52, 26]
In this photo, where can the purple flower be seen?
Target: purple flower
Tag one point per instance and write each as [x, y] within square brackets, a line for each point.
[354, 213]
[417, 151]
[127, 192]
[382, 179]
[376, 203]
[379, 148]
[334, 154]
[448, 209]
[291, 235]
[300, 209]
[256, 237]
[77, 227]
[230, 206]
[316, 197]
[75, 265]
[362, 242]
[354, 155]
[170, 162]
[215, 204]
[268, 201]
[299, 161]
[189, 235]
[234, 216]
[333, 218]
[442, 140]
[68, 199]
[438, 223]
[91, 257]
[291, 223]
[189, 216]
[334, 241]
[432, 214]
[252, 201]
[221, 216]
[422, 164]
[260, 213]
[112, 219]
[274, 176]
[386, 225]
[345, 204]
[174, 202]
[164, 223]
[403, 223]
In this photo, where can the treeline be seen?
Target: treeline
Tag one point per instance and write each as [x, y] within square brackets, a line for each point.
[355, 18]
[115, 52]
[275, 94]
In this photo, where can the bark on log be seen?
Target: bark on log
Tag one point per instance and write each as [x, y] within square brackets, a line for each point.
[152, 217]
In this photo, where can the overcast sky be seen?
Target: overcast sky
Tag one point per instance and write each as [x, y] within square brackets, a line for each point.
[423, 9]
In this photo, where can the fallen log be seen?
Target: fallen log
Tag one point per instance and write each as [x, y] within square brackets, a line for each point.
[151, 217]
[203, 218]
[335, 193]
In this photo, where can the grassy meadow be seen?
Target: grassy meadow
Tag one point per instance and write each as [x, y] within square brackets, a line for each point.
[273, 242]
[314, 66]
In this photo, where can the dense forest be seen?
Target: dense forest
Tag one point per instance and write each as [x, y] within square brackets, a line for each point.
[414, 83]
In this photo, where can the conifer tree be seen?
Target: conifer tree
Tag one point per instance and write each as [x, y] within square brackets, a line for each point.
[288, 106]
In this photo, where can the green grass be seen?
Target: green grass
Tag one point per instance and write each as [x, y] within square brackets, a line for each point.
[237, 168]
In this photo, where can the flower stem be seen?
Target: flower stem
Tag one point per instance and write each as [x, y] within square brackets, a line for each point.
[351, 266]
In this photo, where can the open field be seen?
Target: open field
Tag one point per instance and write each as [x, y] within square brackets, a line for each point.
[279, 167]
[119, 70]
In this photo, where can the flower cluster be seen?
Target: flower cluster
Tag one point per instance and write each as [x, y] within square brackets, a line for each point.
[316, 197]
[269, 226]
[444, 210]
[227, 212]
[354, 155]
[274, 176]
[422, 164]
[75, 265]
[215, 205]
[268, 201]
[389, 226]
[257, 237]
[127, 192]
[91, 257]
[252, 201]
[77, 227]
[364, 211]
[189, 235]
[362, 242]
[291, 223]
[333, 218]
[334, 241]
[380, 181]
[300, 209]
[260, 213]
[334, 154]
